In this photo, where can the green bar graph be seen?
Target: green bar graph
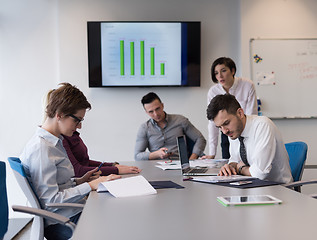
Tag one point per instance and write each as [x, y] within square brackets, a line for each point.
[152, 61]
[142, 57]
[132, 58]
[162, 68]
[121, 57]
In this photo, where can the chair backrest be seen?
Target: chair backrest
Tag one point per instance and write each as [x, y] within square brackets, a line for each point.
[4, 211]
[21, 177]
[297, 152]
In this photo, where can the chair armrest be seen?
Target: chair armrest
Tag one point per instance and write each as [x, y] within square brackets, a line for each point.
[65, 205]
[45, 214]
[300, 183]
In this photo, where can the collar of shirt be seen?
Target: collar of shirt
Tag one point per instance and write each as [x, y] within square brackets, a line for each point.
[234, 86]
[246, 131]
[48, 136]
[166, 120]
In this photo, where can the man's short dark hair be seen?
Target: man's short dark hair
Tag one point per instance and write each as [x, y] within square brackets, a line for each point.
[150, 97]
[226, 102]
[228, 62]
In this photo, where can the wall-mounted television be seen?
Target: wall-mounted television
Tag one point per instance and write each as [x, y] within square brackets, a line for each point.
[140, 54]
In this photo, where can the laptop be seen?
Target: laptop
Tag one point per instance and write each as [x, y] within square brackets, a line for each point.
[186, 169]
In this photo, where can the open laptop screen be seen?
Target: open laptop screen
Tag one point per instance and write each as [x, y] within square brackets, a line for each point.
[182, 150]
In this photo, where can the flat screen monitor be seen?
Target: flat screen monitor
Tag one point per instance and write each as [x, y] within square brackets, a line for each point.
[140, 54]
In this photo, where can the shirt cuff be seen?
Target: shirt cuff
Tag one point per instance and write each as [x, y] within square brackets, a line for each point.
[84, 188]
[258, 173]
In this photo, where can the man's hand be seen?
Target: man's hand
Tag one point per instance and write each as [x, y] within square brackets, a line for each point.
[228, 169]
[160, 154]
[193, 156]
[208, 157]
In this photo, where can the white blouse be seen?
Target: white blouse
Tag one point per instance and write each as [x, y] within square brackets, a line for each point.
[244, 91]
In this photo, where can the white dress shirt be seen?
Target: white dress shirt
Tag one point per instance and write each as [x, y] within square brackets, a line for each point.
[50, 172]
[266, 152]
[244, 91]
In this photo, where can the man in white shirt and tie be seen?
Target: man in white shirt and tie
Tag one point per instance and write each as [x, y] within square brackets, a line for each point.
[256, 145]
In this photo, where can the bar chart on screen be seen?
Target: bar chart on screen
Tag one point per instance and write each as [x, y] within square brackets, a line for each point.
[143, 54]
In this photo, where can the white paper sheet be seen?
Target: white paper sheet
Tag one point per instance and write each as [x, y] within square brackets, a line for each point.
[128, 187]
[215, 179]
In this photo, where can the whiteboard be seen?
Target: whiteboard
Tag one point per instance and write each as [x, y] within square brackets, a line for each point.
[284, 72]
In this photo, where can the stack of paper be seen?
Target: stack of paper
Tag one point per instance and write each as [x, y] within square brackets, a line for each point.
[175, 165]
[127, 187]
[216, 179]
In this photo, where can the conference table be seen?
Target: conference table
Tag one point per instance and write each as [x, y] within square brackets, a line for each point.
[194, 213]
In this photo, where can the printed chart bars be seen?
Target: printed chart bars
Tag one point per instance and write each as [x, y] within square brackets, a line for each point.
[142, 60]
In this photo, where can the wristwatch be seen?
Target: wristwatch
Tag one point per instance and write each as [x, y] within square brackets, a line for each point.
[240, 169]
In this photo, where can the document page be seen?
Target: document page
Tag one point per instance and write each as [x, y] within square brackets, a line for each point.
[216, 179]
[128, 187]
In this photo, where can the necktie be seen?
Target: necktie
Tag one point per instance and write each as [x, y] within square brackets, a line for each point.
[243, 152]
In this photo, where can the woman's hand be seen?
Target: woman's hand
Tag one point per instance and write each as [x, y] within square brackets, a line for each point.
[89, 176]
[122, 169]
[94, 183]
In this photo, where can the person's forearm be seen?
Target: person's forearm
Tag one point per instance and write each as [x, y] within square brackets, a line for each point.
[245, 171]
[154, 155]
[193, 156]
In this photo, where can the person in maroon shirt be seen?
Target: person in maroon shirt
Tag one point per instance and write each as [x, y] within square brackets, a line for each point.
[78, 154]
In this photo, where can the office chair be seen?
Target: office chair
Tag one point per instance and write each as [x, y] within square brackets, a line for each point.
[297, 152]
[37, 232]
[4, 211]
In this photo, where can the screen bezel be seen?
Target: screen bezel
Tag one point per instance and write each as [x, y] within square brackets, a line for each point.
[190, 64]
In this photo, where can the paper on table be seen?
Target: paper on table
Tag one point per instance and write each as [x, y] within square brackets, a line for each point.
[215, 179]
[169, 167]
[128, 187]
[175, 165]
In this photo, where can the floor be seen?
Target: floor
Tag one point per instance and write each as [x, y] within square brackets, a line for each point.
[25, 233]
[19, 229]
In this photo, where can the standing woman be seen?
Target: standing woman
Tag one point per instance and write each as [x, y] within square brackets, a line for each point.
[47, 165]
[223, 72]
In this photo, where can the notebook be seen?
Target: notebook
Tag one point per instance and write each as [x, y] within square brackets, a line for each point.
[186, 169]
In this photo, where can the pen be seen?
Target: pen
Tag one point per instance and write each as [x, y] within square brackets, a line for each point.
[100, 166]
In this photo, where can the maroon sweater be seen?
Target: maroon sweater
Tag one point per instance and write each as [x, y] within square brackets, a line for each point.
[78, 155]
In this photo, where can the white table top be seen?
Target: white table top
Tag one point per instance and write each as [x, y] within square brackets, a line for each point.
[194, 213]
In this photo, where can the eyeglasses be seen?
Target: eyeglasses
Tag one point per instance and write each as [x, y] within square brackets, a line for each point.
[77, 120]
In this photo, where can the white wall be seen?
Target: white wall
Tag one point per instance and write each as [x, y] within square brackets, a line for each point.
[283, 19]
[117, 113]
[28, 68]
[44, 42]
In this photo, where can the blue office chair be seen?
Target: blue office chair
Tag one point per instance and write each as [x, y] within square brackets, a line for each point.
[4, 212]
[297, 152]
[37, 232]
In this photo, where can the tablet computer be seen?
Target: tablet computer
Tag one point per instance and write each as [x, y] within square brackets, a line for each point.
[248, 200]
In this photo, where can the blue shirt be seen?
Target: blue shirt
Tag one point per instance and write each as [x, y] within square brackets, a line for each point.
[50, 172]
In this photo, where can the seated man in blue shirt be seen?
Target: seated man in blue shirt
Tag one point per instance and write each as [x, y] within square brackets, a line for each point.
[159, 133]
